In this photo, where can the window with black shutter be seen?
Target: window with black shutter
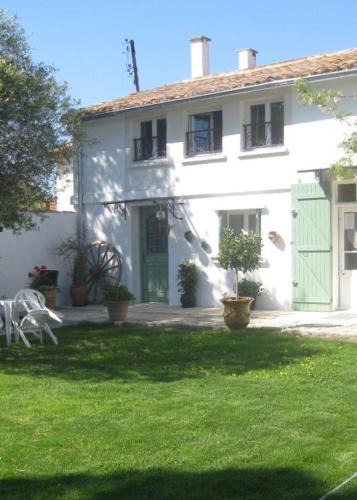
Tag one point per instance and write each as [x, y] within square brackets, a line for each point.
[204, 133]
[152, 141]
[266, 127]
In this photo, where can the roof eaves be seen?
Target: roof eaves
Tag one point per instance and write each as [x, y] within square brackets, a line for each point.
[222, 93]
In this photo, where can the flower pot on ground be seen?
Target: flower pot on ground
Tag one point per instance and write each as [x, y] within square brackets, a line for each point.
[45, 281]
[79, 295]
[241, 253]
[187, 278]
[117, 300]
[250, 288]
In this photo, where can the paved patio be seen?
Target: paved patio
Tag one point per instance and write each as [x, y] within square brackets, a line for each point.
[336, 323]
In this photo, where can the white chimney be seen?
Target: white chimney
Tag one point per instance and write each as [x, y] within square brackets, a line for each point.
[247, 58]
[199, 56]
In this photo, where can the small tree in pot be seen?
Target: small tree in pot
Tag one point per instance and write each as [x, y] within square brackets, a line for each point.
[117, 299]
[241, 253]
[187, 277]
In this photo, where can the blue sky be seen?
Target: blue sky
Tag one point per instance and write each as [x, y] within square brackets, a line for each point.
[84, 39]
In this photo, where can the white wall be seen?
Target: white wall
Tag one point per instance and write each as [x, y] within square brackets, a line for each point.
[20, 253]
[233, 179]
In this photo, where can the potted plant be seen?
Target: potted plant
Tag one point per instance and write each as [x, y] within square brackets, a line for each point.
[187, 277]
[117, 299]
[75, 252]
[249, 288]
[45, 281]
[241, 253]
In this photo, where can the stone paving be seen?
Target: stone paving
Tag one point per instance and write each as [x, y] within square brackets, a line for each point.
[329, 324]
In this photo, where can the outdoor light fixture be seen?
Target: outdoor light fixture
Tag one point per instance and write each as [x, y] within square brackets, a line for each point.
[160, 215]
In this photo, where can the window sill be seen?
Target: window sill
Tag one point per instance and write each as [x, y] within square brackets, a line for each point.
[204, 158]
[261, 152]
[154, 162]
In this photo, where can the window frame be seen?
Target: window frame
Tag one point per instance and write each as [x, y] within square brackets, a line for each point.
[225, 214]
[154, 135]
[247, 122]
[190, 147]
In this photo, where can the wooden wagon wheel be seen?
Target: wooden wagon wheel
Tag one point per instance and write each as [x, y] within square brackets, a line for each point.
[104, 265]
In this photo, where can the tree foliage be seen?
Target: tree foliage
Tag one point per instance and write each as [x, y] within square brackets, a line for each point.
[329, 102]
[240, 252]
[38, 123]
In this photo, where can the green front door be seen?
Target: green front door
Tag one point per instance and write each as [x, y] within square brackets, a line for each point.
[154, 257]
[312, 263]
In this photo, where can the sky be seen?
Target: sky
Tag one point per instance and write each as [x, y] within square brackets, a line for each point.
[84, 39]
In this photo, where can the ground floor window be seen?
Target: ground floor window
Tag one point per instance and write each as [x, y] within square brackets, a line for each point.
[241, 220]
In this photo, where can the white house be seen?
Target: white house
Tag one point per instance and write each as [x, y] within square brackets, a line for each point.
[237, 148]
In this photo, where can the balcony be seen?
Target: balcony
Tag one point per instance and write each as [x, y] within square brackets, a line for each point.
[262, 135]
[149, 149]
[202, 142]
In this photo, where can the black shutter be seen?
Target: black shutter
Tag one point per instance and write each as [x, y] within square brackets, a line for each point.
[257, 120]
[217, 130]
[277, 122]
[146, 140]
[161, 137]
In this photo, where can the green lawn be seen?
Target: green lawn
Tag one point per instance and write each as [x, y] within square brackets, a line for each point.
[147, 414]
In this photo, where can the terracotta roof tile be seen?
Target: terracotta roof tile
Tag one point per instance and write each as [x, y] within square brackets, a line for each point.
[295, 68]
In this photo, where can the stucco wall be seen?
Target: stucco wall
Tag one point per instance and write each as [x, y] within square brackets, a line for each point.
[20, 253]
[231, 180]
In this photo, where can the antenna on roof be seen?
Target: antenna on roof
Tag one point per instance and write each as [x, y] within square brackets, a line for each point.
[132, 68]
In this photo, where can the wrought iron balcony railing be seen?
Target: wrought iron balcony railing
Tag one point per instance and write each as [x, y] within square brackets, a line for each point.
[149, 148]
[203, 141]
[263, 135]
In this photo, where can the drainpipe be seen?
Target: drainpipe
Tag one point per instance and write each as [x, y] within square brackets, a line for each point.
[80, 219]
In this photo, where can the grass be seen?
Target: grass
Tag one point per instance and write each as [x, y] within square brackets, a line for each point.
[147, 414]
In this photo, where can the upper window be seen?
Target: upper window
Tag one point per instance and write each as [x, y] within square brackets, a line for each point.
[152, 141]
[266, 127]
[204, 133]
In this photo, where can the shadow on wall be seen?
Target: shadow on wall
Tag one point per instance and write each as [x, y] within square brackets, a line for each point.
[231, 483]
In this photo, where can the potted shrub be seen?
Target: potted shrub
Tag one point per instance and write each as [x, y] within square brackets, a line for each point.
[45, 281]
[76, 253]
[241, 253]
[117, 299]
[187, 277]
[249, 288]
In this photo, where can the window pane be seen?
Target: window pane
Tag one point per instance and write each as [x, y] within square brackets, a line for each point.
[236, 222]
[347, 192]
[252, 223]
[350, 261]
[350, 231]
[277, 122]
[146, 140]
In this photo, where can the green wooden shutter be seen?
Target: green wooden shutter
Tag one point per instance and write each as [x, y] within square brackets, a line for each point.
[312, 264]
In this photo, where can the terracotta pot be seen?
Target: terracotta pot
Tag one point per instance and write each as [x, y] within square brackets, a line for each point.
[79, 295]
[236, 312]
[50, 296]
[117, 311]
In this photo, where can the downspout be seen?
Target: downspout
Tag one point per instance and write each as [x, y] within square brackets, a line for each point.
[80, 214]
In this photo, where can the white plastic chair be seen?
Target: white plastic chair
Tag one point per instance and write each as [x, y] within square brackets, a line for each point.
[37, 315]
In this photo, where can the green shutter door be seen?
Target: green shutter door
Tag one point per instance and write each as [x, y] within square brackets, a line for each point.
[154, 256]
[312, 265]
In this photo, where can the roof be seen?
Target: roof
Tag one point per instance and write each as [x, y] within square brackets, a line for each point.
[212, 84]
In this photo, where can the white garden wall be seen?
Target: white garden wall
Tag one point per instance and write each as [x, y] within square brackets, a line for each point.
[20, 253]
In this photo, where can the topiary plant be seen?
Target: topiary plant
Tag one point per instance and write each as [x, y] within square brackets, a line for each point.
[240, 252]
[187, 278]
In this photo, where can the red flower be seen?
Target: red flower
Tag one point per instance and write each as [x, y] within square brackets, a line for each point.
[43, 268]
[36, 268]
[30, 275]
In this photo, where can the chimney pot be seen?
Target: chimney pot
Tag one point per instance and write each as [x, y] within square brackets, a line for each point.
[247, 58]
[199, 56]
